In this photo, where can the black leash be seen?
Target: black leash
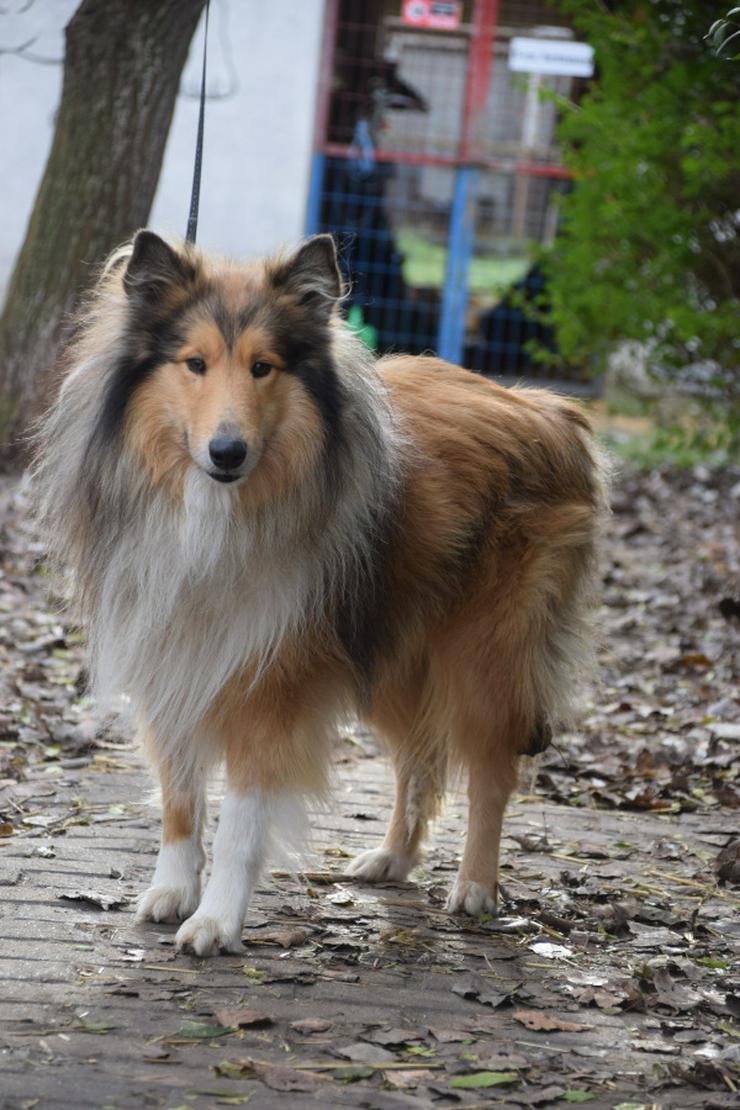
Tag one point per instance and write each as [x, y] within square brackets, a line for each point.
[195, 193]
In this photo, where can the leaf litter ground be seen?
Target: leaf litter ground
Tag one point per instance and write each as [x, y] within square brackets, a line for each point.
[611, 977]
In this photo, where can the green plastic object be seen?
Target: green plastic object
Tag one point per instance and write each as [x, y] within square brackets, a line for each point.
[365, 332]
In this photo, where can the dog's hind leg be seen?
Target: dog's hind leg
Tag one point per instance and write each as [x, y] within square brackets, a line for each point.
[175, 888]
[510, 661]
[476, 887]
[488, 734]
[417, 796]
[401, 718]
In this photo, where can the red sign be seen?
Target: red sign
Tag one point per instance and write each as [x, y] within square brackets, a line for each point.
[437, 15]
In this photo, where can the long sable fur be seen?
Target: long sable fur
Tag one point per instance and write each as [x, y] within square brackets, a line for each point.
[179, 595]
[155, 582]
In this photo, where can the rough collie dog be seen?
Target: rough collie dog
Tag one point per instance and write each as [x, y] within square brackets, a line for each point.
[268, 530]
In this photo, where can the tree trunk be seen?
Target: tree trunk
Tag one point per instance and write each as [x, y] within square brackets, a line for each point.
[122, 68]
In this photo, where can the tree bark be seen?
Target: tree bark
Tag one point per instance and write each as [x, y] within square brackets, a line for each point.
[122, 66]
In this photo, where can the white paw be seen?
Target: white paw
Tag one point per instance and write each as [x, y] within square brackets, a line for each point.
[207, 936]
[378, 864]
[471, 898]
[168, 903]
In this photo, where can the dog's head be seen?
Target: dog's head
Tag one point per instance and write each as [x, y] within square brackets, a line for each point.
[225, 368]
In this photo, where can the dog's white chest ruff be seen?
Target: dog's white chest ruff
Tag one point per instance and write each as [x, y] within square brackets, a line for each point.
[188, 598]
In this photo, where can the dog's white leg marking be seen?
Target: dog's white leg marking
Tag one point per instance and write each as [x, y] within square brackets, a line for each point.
[175, 887]
[239, 851]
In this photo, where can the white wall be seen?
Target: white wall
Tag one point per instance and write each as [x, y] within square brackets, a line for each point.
[258, 143]
[258, 140]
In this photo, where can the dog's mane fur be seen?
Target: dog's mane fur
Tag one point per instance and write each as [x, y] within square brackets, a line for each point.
[178, 595]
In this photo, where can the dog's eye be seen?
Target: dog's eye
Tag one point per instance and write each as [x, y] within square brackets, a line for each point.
[261, 369]
[196, 365]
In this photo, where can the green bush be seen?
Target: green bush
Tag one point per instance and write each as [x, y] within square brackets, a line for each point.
[649, 247]
[713, 442]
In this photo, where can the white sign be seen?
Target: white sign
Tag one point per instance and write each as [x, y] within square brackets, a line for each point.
[558, 56]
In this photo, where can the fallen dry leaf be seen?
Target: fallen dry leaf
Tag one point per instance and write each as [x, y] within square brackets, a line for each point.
[363, 1053]
[539, 1021]
[279, 1078]
[96, 898]
[482, 990]
[244, 1018]
[310, 1025]
[407, 1080]
[450, 1036]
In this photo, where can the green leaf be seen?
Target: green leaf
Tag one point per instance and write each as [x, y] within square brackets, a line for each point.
[230, 1070]
[484, 1079]
[578, 1096]
[99, 1027]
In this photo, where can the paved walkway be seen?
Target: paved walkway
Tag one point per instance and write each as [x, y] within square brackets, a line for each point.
[346, 995]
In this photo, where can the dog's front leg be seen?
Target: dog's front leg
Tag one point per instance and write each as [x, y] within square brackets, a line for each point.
[248, 815]
[175, 887]
[239, 849]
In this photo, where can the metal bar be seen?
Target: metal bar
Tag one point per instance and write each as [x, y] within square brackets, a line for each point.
[323, 101]
[412, 158]
[536, 169]
[313, 203]
[451, 338]
[461, 233]
[478, 78]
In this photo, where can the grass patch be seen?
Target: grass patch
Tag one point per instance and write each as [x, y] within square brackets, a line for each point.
[674, 446]
[643, 434]
[425, 262]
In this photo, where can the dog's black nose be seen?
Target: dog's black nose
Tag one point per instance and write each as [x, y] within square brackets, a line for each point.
[227, 453]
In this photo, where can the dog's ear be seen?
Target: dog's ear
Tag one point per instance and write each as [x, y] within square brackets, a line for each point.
[312, 275]
[154, 267]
